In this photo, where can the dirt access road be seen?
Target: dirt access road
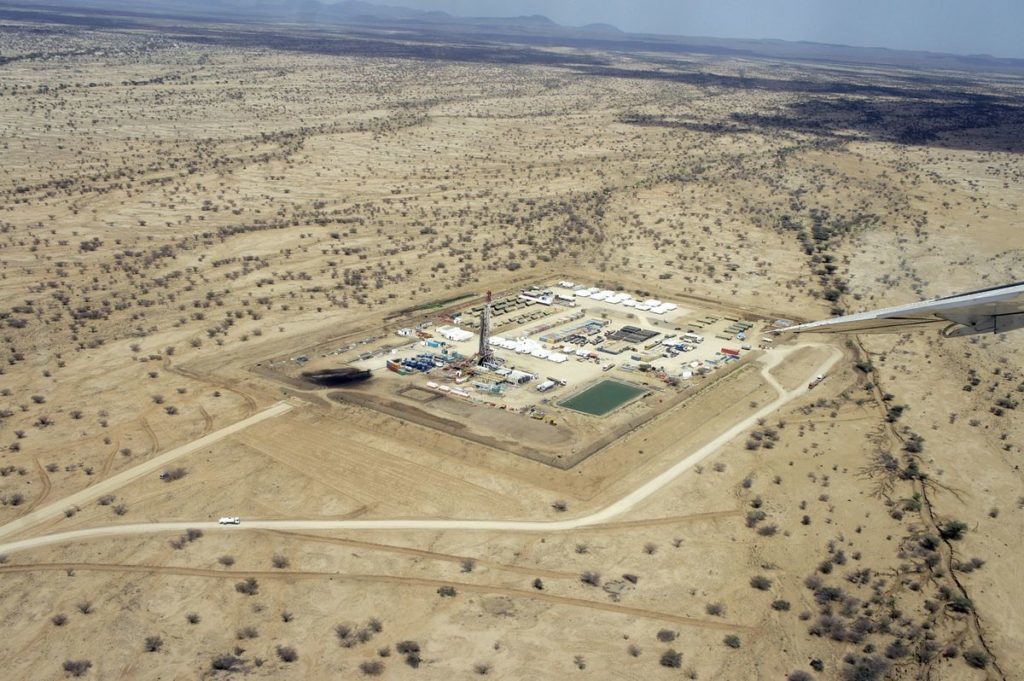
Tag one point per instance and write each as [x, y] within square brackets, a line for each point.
[597, 517]
[57, 508]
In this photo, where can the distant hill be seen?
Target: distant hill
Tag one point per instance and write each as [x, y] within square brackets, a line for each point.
[600, 28]
[535, 29]
[314, 11]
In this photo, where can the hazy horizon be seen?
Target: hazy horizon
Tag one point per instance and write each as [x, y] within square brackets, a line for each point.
[985, 27]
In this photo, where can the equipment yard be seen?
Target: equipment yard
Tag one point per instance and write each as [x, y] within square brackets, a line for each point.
[550, 350]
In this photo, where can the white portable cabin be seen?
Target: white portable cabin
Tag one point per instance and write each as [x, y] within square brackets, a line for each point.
[455, 334]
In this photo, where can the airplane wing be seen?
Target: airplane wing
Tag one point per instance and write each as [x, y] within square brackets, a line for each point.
[993, 310]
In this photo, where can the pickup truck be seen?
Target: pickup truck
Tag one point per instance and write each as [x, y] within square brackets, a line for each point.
[230, 520]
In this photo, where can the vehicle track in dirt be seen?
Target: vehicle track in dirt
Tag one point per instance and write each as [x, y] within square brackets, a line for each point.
[40, 515]
[47, 486]
[207, 420]
[534, 594]
[109, 462]
[430, 555]
[154, 441]
[596, 518]
[250, 401]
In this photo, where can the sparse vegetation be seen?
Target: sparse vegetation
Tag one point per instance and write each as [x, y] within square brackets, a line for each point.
[371, 668]
[953, 530]
[976, 658]
[249, 586]
[671, 659]
[77, 667]
[225, 663]
[246, 633]
[172, 474]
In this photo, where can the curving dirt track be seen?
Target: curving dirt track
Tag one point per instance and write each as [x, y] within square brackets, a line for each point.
[430, 555]
[385, 579]
[56, 509]
[109, 462]
[596, 518]
[250, 402]
[667, 520]
[207, 420]
[44, 477]
[154, 445]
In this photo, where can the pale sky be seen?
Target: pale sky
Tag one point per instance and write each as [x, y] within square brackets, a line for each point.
[993, 27]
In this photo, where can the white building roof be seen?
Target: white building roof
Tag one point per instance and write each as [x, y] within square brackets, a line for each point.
[454, 333]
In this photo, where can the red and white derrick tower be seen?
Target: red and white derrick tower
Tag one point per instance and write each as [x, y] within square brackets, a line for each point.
[485, 353]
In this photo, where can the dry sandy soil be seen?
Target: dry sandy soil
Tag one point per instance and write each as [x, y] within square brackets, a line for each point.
[174, 210]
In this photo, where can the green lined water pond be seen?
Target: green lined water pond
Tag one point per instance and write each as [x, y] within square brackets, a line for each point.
[602, 398]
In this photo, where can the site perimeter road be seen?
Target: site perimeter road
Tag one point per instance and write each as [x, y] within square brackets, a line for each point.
[57, 508]
[600, 516]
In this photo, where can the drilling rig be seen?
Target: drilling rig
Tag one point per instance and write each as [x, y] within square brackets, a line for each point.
[485, 353]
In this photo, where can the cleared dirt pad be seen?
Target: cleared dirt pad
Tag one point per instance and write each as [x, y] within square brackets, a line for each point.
[795, 370]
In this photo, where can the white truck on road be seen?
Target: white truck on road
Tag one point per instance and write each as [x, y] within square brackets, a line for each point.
[230, 520]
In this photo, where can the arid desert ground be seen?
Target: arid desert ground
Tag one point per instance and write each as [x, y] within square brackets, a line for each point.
[180, 204]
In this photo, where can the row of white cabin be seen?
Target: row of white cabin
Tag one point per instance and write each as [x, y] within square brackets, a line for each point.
[652, 305]
[455, 334]
[525, 346]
